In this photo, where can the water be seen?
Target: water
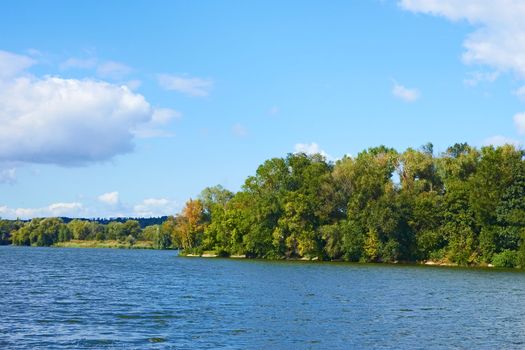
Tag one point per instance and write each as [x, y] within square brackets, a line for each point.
[55, 298]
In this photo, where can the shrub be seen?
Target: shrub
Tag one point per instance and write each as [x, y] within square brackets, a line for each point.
[507, 258]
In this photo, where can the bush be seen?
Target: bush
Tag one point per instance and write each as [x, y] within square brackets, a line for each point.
[390, 251]
[507, 258]
[130, 240]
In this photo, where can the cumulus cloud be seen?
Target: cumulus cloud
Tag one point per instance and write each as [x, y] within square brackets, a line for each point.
[12, 64]
[67, 121]
[499, 140]
[187, 85]
[111, 198]
[404, 93]
[155, 207]
[71, 209]
[519, 121]
[498, 39]
[310, 149]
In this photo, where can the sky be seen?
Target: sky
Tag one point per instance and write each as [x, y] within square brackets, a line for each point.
[130, 108]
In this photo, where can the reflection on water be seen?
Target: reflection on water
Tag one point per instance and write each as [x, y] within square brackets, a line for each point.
[136, 299]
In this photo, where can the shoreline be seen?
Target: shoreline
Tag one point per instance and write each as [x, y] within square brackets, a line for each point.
[430, 263]
[148, 245]
[107, 244]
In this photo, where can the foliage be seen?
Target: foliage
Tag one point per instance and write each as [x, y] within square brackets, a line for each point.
[465, 205]
[506, 258]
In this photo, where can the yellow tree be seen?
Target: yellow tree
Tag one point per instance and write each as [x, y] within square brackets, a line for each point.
[190, 224]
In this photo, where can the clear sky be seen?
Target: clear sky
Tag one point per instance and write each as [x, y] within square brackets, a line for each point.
[131, 107]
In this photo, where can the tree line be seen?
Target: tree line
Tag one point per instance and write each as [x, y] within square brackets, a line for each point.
[49, 231]
[464, 206]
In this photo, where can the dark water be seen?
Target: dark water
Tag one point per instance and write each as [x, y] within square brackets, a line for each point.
[131, 299]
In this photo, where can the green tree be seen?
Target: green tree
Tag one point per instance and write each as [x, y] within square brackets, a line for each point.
[79, 229]
[115, 230]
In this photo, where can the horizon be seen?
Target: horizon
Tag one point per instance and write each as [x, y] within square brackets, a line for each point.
[130, 109]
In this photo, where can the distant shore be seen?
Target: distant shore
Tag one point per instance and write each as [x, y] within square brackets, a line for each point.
[111, 244]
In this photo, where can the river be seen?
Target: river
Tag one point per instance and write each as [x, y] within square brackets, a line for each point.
[59, 298]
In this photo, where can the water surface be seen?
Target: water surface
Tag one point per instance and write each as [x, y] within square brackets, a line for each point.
[58, 298]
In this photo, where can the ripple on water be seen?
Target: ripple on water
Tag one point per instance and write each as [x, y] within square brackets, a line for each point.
[131, 299]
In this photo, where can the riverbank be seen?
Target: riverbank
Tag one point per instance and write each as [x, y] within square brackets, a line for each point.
[111, 244]
[442, 263]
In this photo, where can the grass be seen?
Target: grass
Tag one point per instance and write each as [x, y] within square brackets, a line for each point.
[114, 244]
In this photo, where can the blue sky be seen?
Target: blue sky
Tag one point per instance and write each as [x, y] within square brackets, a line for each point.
[130, 108]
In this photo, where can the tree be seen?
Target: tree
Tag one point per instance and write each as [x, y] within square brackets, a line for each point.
[131, 228]
[168, 227]
[7, 227]
[190, 226]
[160, 237]
[115, 230]
[79, 229]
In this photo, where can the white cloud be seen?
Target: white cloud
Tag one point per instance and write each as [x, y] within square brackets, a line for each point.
[155, 207]
[59, 209]
[310, 149]
[499, 38]
[70, 122]
[499, 140]
[12, 64]
[111, 198]
[67, 121]
[519, 121]
[71, 209]
[404, 93]
[8, 175]
[150, 207]
[114, 70]
[239, 130]
[190, 86]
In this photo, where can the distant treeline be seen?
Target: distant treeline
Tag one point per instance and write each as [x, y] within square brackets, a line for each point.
[49, 231]
[143, 222]
[464, 206]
